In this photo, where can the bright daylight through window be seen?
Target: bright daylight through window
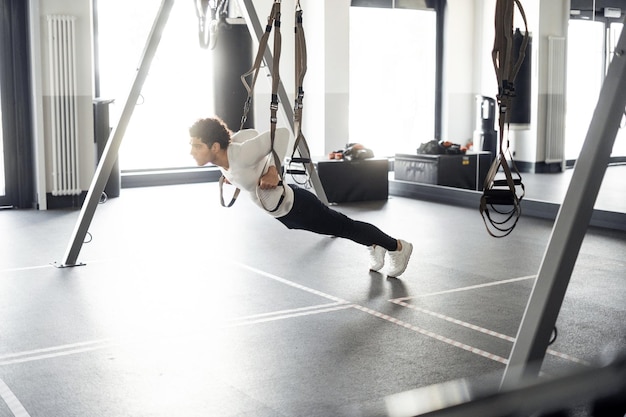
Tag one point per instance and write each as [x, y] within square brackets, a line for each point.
[178, 90]
[586, 56]
[392, 78]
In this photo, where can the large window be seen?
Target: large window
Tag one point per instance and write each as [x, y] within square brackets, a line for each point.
[591, 46]
[392, 78]
[178, 89]
[585, 72]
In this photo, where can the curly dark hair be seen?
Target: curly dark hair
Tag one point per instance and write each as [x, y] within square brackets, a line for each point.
[211, 130]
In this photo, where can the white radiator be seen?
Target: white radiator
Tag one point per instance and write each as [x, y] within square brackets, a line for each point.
[555, 112]
[63, 112]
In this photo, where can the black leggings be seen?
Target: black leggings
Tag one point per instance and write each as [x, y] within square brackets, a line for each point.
[309, 213]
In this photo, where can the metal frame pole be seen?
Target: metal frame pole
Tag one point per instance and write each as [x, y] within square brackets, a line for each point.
[109, 154]
[570, 227]
[256, 31]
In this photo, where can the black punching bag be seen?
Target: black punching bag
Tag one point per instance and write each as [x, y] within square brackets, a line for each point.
[232, 57]
[520, 104]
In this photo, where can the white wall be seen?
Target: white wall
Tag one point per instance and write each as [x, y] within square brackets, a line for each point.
[82, 11]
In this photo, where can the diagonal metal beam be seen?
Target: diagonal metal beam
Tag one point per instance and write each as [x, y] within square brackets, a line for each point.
[256, 31]
[111, 149]
[570, 227]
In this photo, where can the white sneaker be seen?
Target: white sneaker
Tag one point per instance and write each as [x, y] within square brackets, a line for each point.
[377, 257]
[399, 259]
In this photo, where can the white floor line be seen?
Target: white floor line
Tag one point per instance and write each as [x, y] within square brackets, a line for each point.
[52, 265]
[420, 330]
[433, 335]
[469, 288]
[25, 268]
[338, 304]
[55, 353]
[89, 346]
[15, 406]
[483, 330]
[382, 316]
[54, 348]
[290, 283]
[455, 321]
[287, 316]
[285, 312]
[568, 357]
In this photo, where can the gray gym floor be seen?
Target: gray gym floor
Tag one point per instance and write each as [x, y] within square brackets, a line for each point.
[184, 308]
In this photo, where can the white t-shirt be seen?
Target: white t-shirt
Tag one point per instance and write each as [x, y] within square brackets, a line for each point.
[249, 157]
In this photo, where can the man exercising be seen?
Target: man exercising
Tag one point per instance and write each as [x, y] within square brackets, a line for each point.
[248, 164]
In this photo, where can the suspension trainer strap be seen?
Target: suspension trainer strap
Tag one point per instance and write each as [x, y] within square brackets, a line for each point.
[275, 85]
[256, 66]
[300, 72]
[274, 109]
[273, 19]
[254, 71]
[499, 193]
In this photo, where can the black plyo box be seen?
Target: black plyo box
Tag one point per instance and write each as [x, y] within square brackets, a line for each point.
[460, 171]
[346, 181]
